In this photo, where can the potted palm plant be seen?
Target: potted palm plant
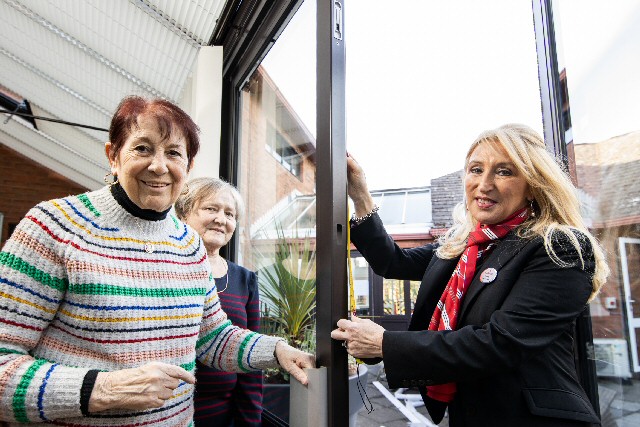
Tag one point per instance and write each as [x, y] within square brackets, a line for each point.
[287, 279]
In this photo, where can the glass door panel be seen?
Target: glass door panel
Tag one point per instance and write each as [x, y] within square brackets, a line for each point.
[418, 96]
[276, 177]
[424, 79]
[598, 73]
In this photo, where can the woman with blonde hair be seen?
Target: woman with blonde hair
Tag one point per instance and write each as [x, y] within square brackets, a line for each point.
[492, 333]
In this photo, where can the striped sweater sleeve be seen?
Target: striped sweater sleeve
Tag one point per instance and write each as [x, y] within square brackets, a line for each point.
[230, 348]
[247, 395]
[32, 283]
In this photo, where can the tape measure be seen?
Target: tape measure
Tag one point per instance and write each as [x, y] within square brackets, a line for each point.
[352, 291]
[352, 288]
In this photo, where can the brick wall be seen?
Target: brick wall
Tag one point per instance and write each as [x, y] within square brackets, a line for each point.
[613, 322]
[263, 181]
[606, 171]
[23, 184]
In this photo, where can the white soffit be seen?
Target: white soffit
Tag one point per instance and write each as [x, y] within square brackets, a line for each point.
[74, 60]
[51, 153]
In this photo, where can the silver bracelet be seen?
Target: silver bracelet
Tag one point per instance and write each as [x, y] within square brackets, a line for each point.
[357, 220]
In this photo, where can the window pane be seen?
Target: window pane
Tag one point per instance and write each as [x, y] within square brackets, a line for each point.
[276, 176]
[424, 79]
[392, 208]
[393, 296]
[361, 286]
[631, 274]
[599, 73]
[418, 209]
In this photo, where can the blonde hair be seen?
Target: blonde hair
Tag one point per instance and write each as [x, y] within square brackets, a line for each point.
[199, 188]
[556, 203]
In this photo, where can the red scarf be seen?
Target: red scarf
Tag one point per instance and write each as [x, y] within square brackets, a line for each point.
[445, 316]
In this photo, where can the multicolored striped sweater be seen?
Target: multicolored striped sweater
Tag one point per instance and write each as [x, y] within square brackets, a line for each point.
[225, 398]
[85, 285]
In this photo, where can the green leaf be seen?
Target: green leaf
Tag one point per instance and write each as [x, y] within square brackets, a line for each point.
[288, 289]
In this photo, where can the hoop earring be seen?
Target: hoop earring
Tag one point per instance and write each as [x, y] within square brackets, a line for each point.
[106, 179]
[533, 212]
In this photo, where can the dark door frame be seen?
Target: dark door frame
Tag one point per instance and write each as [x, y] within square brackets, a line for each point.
[247, 30]
[554, 136]
[331, 240]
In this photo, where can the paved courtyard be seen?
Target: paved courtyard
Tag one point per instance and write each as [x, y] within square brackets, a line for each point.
[619, 405]
[384, 412]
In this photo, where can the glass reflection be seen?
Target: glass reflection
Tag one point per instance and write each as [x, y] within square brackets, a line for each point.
[599, 72]
[276, 176]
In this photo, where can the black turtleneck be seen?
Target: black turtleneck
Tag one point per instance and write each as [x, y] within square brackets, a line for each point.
[123, 200]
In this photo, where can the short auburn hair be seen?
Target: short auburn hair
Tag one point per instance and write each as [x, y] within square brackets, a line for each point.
[170, 118]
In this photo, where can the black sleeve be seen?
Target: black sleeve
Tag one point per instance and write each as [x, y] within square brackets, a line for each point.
[384, 256]
[543, 303]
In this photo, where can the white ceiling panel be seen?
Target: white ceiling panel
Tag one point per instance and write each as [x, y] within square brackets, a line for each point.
[196, 18]
[122, 34]
[51, 96]
[74, 60]
[75, 137]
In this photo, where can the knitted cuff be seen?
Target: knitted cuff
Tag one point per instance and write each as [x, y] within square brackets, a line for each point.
[274, 352]
[263, 355]
[87, 388]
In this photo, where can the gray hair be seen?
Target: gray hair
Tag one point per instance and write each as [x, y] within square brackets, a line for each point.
[199, 188]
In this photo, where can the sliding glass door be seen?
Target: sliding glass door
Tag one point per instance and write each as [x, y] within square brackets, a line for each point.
[597, 118]
[284, 140]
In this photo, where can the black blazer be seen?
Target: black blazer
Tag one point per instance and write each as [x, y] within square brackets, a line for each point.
[511, 354]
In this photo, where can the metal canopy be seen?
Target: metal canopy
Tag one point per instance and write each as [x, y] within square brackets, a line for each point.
[74, 60]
